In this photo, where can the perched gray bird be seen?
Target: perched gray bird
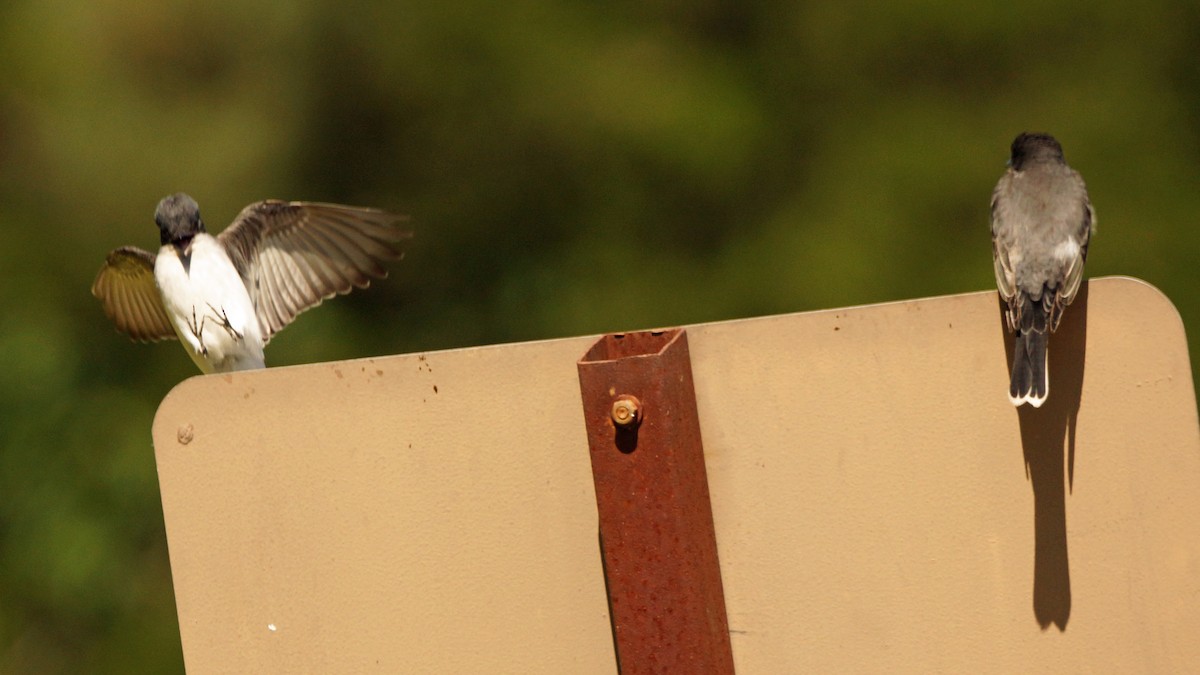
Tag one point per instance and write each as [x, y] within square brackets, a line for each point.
[225, 296]
[1042, 221]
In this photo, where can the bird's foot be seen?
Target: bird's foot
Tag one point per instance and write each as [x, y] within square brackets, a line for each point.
[225, 323]
[196, 326]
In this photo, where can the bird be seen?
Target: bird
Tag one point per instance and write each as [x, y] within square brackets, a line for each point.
[1042, 222]
[225, 296]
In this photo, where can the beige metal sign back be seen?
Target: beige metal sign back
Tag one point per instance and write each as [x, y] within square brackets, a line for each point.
[879, 505]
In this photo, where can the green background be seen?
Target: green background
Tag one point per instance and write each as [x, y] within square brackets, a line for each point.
[570, 168]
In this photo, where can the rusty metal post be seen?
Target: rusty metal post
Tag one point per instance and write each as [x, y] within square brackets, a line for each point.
[656, 526]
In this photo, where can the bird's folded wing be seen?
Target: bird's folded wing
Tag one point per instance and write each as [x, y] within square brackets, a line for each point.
[293, 255]
[126, 288]
[1074, 272]
[1002, 265]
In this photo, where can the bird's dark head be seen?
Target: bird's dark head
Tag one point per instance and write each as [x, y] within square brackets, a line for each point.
[178, 219]
[1028, 148]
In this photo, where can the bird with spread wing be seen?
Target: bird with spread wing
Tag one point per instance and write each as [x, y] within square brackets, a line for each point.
[224, 297]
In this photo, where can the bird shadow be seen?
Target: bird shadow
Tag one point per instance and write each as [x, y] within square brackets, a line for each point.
[1043, 432]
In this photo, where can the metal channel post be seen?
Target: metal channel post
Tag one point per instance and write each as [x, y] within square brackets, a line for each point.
[656, 526]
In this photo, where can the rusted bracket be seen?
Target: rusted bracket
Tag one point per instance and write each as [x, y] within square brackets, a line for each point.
[656, 525]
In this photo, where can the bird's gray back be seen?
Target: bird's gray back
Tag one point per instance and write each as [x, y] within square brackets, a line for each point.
[1040, 218]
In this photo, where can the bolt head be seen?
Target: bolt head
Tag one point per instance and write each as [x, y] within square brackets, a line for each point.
[626, 411]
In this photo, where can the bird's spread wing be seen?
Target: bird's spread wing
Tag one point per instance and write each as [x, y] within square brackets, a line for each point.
[293, 255]
[125, 286]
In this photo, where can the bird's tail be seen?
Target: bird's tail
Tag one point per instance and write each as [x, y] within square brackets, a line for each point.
[1030, 382]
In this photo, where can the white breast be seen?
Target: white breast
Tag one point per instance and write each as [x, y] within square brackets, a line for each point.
[209, 307]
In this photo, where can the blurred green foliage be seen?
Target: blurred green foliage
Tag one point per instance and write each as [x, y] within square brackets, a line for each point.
[570, 167]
